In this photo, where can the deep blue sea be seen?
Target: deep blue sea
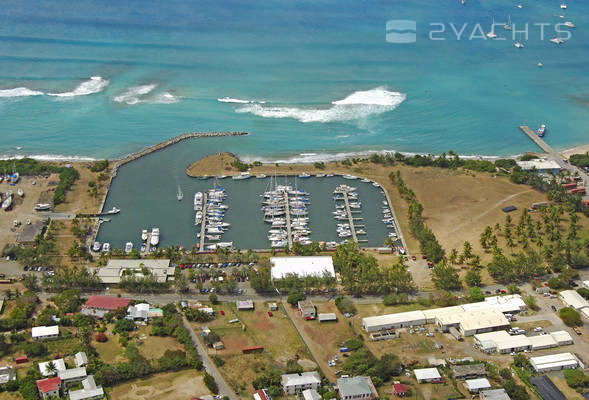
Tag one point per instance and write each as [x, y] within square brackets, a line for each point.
[106, 78]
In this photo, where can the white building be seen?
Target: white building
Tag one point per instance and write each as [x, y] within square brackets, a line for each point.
[115, 270]
[311, 394]
[586, 284]
[44, 332]
[573, 299]
[393, 321]
[512, 303]
[542, 165]
[138, 311]
[472, 322]
[89, 390]
[7, 374]
[502, 342]
[80, 359]
[542, 342]
[58, 365]
[296, 383]
[72, 375]
[562, 337]
[302, 267]
[425, 375]
[554, 362]
[585, 312]
[476, 385]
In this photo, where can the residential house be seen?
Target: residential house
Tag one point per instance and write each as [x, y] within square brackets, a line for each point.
[49, 387]
[494, 394]
[469, 371]
[357, 387]
[44, 332]
[47, 370]
[425, 375]
[7, 374]
[98, 306]
[262, 394]
[311, 394]
[72, 375]
[296, 383]
[400, 389]
[80, 359]
[89, 390]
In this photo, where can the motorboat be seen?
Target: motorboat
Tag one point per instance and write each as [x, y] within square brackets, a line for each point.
[243, 175]
[563, 6]
[96, 246]
[20, 192]
[570, 24]
[304, 175]
[179, 194]
[128, 247]
[113, 210]
[260, 176]
[155, 236]
[43, 207]
[144, 235]
[557, 40]
[106, 247]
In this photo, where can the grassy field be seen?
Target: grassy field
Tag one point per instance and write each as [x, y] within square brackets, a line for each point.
[165, 386]
[240, 370]
[153, 347]
[10, 396]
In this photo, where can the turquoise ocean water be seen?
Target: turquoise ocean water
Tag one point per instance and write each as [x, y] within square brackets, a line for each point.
[159, 68]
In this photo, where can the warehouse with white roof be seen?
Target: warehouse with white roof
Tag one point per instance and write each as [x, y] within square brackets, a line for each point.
[554, 362]
[573, 299]
[302, 267]
[393, 321]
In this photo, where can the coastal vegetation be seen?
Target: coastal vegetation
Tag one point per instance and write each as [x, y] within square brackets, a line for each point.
[429, 245]
[580, 160]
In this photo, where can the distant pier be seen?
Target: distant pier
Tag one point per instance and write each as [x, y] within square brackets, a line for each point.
[350, 216]
[287, 213]
[537, 139]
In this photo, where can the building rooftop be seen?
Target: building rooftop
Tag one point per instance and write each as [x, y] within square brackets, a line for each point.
[30, 232]
[7, 374]
[355, 386]
[561, 336]
[245, 303]
[573, 299]
[461, 371]
[426, 373]
[59, 365]
[73, 373]
[41, 331]
[477, 384]
[327, 317]
[116, 269]
[106, 302]
[494, 394]
[311, 394]
[49, 385]
[484, 318]
[302, 266]
[391, 319]
[542, 341]
[539, 164]
[304, 378]
[80, 359]
[138, 311]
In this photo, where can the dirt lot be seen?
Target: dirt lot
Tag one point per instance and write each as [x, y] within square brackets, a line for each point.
[154, 347]
[323, 338]
[240, 370]
[166, 386]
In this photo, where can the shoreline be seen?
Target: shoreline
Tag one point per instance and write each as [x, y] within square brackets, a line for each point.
[293, 158]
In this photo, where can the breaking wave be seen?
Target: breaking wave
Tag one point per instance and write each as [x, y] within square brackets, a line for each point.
[358, 105]
[94, 85]
[19, 92]
[162, 98]
[132, 95]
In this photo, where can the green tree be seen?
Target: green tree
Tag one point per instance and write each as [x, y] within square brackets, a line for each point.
[476, 294]
[446, 277]
[295, 297]
[473, 277]
[570, 316]
[213, 298]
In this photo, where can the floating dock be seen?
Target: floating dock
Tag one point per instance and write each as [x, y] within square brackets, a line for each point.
[350, 216]
[203, 222]
[287, 214]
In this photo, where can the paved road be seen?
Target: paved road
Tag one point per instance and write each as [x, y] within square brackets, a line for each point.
[224, 389]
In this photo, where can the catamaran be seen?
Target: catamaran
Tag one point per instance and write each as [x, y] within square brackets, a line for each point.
[507, 26]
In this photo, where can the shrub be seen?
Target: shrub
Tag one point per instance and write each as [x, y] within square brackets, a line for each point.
[295, 297]
[570, 316]
[210, 383]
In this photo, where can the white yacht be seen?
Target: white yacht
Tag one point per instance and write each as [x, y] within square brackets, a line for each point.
[563, 6]
[144, 235]
[557, 40]
[243, 175]
[492, 34]
[96, 246]
[113, 210]
[179, 194]
[43, 207]
[570, 24]
[507, 26]
[20, 192]
[128, 247]
[106, 247]
[155, 236]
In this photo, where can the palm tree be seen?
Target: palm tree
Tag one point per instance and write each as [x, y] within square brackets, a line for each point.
[50, 368]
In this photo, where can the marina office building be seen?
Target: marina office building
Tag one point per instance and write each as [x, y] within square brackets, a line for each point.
[115, 270]
[469, 319]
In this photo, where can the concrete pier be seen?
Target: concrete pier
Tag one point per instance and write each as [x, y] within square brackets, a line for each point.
[537, 139]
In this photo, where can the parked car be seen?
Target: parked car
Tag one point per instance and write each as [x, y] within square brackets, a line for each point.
[270, 313]
[553, 308]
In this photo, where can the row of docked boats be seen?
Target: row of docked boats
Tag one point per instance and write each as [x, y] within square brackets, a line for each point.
[286, 209]
[210, 212]
[341, 194]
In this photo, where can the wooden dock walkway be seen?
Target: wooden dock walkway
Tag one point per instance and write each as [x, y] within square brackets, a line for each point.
[350, 216]
[203, 222]
[537, 139]
[288, 227]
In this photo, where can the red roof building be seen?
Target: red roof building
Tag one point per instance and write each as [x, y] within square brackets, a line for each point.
[262, 395]
[106, 303]
[400, 389]
[21, 359]
[49, 387]
[252, 349]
